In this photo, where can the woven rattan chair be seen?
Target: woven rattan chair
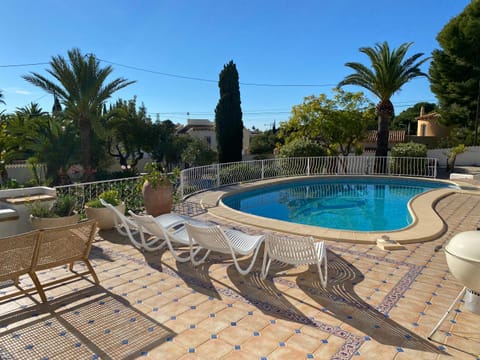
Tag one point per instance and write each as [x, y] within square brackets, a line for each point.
[298, 251]
[64, 245]
[225, 241]
[16, 258]
[169, 229]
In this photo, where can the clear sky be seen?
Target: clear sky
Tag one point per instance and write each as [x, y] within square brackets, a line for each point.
[272, 42]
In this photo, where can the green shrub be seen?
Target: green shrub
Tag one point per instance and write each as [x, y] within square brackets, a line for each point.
[239, 172]
[410, 149]
[64, 205]
[302, 148]
[110, 196]
[403, 166]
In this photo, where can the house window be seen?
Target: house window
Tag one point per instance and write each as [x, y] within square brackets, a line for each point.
[208, 140]
[423, 130]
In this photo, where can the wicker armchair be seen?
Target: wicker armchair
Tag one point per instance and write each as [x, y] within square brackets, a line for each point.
[44, 249]
[16, 258]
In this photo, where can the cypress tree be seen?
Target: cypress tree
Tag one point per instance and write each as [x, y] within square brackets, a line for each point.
[228, 116]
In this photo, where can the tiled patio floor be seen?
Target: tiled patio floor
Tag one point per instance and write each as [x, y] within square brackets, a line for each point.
[378, 305]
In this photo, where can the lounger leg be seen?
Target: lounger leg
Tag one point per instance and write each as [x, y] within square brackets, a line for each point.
[323, 274]
[201, 261]
[38, 286]
[252, 262]
[462, 292]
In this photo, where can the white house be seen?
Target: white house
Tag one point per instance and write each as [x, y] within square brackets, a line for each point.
[204, 129]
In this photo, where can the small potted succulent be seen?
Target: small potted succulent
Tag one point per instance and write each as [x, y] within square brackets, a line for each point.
[44, 214]
[157, 190]
[105, 217]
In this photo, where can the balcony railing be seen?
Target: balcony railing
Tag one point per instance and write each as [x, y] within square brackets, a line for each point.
[129, 190]
[202, 178]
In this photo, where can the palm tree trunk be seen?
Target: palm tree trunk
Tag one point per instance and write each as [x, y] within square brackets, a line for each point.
[384, 113]
[382, 135]
[84, 125]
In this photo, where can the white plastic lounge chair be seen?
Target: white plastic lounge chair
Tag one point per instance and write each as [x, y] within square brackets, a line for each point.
[123, 225]
[128, 227]
[170, 230]
[299, 251]
[225, 241]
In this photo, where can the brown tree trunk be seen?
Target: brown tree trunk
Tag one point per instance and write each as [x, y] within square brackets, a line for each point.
[84, 125]
[384, 112]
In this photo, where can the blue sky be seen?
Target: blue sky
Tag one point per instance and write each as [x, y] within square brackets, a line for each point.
[272, 42]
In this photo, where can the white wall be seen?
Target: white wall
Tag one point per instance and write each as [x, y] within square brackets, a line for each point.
[22, 172]
[470, 158]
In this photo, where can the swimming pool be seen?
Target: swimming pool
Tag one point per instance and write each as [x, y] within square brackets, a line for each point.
[348, 203]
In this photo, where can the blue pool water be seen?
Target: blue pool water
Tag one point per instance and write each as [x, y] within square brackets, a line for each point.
[359, 204]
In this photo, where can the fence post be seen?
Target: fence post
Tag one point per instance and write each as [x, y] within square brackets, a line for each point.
[308, 166]
[218, 175]
[263, 169]
[181, 184]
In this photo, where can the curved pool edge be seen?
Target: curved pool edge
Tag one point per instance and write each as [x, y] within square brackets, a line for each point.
[427, 223]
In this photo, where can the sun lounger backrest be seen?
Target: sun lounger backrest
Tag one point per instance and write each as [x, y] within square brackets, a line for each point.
[291, 251]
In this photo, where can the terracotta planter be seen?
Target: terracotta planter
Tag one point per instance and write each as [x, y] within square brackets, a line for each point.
[43, 223]
[105, 217]
[157, 200]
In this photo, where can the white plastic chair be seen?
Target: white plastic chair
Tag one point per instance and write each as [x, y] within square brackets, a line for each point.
[123, 225]
[128, 227]
[298, 251]
[225, 241]
[170, 230]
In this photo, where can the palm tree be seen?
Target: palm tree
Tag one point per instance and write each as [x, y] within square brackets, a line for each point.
[81, 88]
[1, 98]
[389, 72]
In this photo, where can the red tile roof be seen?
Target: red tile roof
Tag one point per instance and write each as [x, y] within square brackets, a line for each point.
[394, 136]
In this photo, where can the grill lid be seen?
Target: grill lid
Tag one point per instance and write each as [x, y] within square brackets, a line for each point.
[465, 245]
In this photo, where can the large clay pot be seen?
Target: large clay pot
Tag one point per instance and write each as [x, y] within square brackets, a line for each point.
[104, 216]
[43, 223]
[157, 200]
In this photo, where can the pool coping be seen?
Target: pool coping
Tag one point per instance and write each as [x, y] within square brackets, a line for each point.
[427, 224]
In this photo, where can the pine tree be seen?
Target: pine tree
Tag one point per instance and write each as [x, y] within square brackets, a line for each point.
[228, 116]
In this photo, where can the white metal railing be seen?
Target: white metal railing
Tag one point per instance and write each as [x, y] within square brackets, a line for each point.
[202, 178]
[129, 190]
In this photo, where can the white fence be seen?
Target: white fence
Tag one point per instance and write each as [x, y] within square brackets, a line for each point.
[202, 178]
[129, 190]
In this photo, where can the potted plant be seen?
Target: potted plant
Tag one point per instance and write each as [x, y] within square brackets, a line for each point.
[44, 214]
[157, 188]
[105, 217]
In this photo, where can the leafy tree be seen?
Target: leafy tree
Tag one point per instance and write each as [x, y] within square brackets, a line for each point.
[228, 116]
[407, 119]
[388, 73]
[161, 142]
[127, 129]
[302, 147]
[337, 124]
[455, 70]
[56, 144]
[82, 90]
[263, 143]
[197, 153]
